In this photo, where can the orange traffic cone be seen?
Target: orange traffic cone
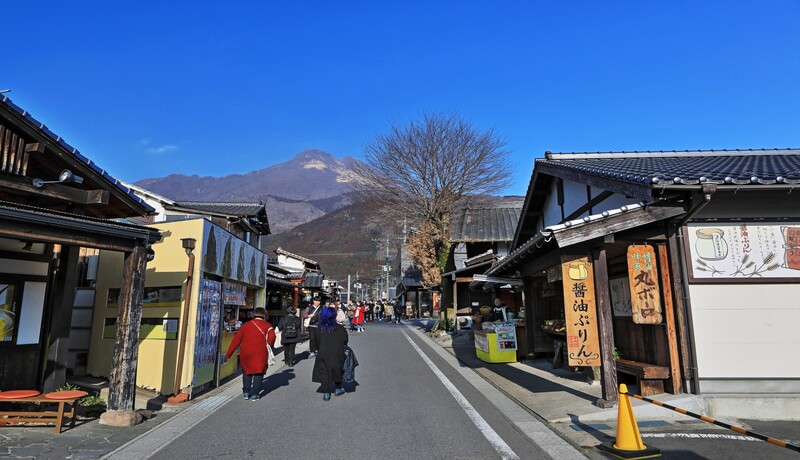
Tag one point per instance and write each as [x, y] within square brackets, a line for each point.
[629, 443]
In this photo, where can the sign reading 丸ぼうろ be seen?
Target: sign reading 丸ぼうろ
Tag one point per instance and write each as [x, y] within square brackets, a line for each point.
[643, 279]
[580, 311]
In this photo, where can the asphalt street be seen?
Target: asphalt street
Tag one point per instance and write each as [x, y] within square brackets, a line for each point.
[406, 402]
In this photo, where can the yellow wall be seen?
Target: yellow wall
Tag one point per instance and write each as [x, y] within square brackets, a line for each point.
[157, 357]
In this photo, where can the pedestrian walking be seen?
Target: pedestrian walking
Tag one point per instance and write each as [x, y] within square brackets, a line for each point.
[289, 326]
[368, 312]
[311, 318]
[379, 311]
[388, 311]
[358, 317]
[253, 338]
[328, 367]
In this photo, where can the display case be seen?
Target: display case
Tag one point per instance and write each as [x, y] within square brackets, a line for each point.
[496, 343]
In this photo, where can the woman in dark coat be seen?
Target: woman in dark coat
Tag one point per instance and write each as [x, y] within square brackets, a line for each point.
[289, 326]
[331, 340]
[253, 337]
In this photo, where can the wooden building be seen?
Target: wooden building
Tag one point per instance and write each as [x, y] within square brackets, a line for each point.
[53, 202]
[480, 235]
[685, 262]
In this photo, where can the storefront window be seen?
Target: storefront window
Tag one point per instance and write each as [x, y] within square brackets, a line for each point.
[158, 296]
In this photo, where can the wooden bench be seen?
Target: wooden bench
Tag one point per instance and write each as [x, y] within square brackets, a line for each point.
[649, 377]
[64, 399]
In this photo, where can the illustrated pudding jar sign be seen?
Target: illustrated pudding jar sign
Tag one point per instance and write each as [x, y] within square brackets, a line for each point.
[791, 236]
[711, 244]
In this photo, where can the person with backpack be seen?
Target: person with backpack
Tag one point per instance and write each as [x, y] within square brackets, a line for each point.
[289, 326]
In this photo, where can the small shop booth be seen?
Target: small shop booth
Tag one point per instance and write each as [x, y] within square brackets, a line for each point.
[668, 270]
[203, 284]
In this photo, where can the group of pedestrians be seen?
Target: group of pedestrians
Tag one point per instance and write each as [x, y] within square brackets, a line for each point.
[328, 342]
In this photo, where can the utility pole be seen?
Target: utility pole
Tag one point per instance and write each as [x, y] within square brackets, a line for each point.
[348, 288]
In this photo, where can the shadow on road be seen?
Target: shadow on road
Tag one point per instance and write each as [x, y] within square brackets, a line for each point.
[277, 380]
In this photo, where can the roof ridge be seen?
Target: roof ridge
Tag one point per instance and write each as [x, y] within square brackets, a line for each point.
[668, 153]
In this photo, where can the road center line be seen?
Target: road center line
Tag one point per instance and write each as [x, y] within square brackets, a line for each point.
[488, 432]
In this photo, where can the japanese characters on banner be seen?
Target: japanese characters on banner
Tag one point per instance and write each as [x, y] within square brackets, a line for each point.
[580, 311]
[744, 250]
[643, 279]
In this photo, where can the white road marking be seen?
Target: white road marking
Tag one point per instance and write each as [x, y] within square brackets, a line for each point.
[732, 437]
[488, 432]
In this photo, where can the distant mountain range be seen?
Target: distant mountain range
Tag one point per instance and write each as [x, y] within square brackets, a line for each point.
[308, 186]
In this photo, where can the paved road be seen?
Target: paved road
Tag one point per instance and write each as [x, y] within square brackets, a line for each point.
[407, 402]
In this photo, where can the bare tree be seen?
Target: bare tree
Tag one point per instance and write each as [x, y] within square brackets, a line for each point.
[423, 169]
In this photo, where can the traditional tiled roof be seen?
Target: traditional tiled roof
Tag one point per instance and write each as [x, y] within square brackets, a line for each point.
[689, 167]
[229, 209]
[487, 223]
[117, 184]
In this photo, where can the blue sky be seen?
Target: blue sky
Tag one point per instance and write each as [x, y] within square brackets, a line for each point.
[146, 89]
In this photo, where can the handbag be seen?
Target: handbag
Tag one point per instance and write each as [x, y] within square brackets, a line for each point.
[270, 353]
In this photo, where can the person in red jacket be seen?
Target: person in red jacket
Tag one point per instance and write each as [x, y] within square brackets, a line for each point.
[358, 317]
[254, 337]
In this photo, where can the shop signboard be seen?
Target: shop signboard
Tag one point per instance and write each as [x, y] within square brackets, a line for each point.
[232, 258]
[207, 330]
[744, 251]
[482, 342]
[506, 336]
[643, 281]
[234, 294]
[620, 296]
[580, 311]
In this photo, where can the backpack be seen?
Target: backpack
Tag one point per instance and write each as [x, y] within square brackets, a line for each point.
[290, 332]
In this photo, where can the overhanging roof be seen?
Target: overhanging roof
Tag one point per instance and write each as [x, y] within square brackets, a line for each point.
[54, 154]
[591, 227]
[38, 224]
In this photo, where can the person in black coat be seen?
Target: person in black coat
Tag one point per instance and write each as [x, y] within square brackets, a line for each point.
[331, 340]
[290, 335]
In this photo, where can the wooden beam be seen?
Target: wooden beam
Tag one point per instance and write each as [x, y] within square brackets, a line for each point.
[464, 279]
[605, 328]
[34, 147]
[59, 235]
[589, 205]
[669, 315]
[613, 224]
[122, 378]
[55, 191]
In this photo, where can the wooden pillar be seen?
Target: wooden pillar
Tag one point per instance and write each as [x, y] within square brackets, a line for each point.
[669, 317]
[605, 328]
[55, 369]
[680, 307]
[122, 381]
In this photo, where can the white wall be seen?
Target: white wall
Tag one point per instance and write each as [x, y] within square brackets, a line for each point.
[574, 198]
[747, 330]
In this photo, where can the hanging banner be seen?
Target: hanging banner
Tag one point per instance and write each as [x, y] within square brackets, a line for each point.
[580, 311]
[643, 280]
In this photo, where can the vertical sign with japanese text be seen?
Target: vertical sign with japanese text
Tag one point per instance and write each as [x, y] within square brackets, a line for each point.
[580, 311]
[643, 279]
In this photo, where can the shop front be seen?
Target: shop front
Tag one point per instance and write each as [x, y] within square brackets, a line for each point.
[647, 279]
[192, 308]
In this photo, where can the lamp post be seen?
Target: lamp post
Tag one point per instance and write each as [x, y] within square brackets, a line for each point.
[188, 246]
